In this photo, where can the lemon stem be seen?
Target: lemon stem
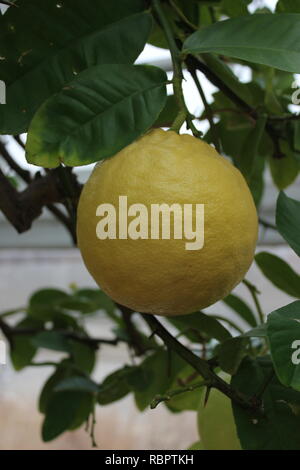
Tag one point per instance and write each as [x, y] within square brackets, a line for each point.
[177, 67]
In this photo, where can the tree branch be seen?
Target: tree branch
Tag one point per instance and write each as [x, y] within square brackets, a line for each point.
[136, 341]
[201, 366]
[194, 63]
[22, 208]
[9, 332]
[10, 4]
[27, 178]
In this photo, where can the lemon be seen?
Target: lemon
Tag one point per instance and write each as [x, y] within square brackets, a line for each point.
[162, 276]
[216, 424]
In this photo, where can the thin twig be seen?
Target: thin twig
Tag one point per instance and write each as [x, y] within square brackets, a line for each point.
[209, 112]
[173, 393]
[19, 141]
[10, 4]
[10, 332]
[254, 293]
[265, 384]
[182, 16]
[266, 224]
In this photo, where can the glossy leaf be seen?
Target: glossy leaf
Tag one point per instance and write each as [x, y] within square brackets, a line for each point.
[45, 303]
[200, 324]
[240, 307]
[235, 8]
[63, 371]
[249, 153]
[77, 384]
[257, 332]
[168, 114]
[231, 353]
[278, 427]
[264, 39]
[224, 72]
[114, 387]
[44, 44]
[189, 400]
[101, 111]
[51, 340]
[288, 6]
[158, 373]
[284, 170]
[257, 182]
[83, 356]
[91, 300]
[22, 349]
[66, 410]
[279, 273]
[283, 329]
[288, 220]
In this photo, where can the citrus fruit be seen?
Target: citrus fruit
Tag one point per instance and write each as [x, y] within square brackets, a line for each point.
[216, 424]
[167, 275]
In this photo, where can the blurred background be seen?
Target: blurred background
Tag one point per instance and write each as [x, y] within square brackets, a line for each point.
[44, 257]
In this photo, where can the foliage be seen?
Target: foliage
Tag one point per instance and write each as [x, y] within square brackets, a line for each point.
[73, 86]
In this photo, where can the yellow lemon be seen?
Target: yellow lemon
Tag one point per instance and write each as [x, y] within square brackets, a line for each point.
[216, 424]
[167, 273]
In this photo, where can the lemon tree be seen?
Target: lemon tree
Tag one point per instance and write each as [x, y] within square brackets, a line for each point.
[168, 222]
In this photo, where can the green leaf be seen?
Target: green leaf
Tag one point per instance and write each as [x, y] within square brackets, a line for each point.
[257, 182]
[231, 353]
[245, 38]
[51, 340]
[223, 72]
[62, 371]
[288, 6]
[288, 220]
[249, 153]
[200, 323]
[50, 297]
[168, 114]
[44, 304]
[279, 273]
[114, 387]
[188, 400]
[63, 321]
[66, 410]
[158, 373]
[284, 170]
[240, 307]
[77, 384]
[196, 446]
[83, 356]
[279, 427]
[22, 350]
[235, 8]
[101, 111]
[44, 46]
[258, 332]
[296, 126]
[89, 301]
[284, 338]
